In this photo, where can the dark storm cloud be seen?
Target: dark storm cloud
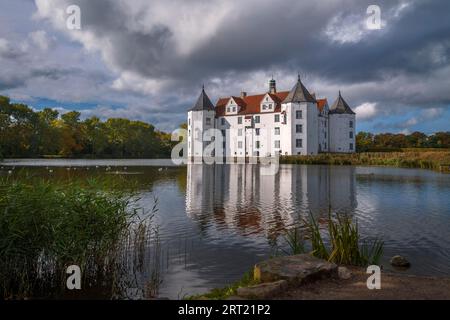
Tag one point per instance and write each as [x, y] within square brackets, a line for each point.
[288, 36]
[291, 36]
[147, 52]
[158, 54]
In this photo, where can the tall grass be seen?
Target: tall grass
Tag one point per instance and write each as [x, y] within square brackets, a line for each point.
[44, 227]
[340, 242]
[433, 160]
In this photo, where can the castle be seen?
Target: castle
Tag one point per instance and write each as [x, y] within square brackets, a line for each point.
[286, 123]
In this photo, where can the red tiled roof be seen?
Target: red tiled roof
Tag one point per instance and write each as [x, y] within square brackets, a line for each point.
[321, 103]
[250, 104]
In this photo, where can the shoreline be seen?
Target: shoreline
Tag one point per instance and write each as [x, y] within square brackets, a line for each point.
[437, 160]
[394, 286]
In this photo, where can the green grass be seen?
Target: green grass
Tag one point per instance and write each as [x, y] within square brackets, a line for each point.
[408, 158]
[230, 290]
[44, 227]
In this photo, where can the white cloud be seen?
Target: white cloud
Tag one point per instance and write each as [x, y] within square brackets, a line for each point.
[41, 40]
[366, 111]
[346, 29]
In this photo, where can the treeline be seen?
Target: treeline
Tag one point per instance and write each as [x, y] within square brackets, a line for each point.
[366, 142]
[28, 133]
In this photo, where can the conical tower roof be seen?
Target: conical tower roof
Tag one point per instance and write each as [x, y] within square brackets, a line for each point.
[340, 106]
[203, 102]
[299, 94]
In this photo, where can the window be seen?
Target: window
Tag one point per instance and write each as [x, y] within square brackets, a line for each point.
[299, 143]
[298, 128]
[228, 109]
[257, 119]
[277, 144]
[222, 121]
[351, 146]
[277, 131]
[350, 124]
[325, 145]
[350, 134]
[298, 114]
[234, 109]
[224, 144]
[239, 132]
[257, 131]
[325, 123]
[189, 121]
[257, 145]
[325, 134]
[264, 107]
[239, 144]
[223, 133]
[276, 118]
[208, 121]
[239, 120]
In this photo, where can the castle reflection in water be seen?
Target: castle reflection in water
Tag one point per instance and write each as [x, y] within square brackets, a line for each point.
[239, 197]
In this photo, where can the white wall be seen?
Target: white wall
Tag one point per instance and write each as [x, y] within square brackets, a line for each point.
[197, 125]
[340, 133]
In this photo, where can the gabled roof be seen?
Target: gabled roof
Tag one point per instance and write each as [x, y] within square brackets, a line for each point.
[340, 106]
[203, 102]
[250, 104]
[321, 103]
[299, 94]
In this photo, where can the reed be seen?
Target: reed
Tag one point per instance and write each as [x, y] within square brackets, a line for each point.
[423, 159]
[46, 226]
[339, 242]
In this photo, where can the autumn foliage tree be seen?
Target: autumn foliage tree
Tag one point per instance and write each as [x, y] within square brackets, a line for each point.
[28, 133]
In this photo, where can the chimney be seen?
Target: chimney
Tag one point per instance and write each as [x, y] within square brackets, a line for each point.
[243, 94]
[272, 86]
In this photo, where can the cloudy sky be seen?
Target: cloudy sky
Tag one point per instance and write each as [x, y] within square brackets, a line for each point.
[147, 59]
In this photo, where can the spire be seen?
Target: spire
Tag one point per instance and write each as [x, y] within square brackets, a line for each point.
[340, 106]
[272, 86]
[299, 93]
[203, 102]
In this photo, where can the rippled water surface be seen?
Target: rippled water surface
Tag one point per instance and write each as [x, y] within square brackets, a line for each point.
[217, 221]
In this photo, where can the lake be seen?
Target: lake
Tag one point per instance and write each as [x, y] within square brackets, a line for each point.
[217, 221]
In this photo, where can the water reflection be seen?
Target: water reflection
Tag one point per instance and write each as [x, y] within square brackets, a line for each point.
[239, 197]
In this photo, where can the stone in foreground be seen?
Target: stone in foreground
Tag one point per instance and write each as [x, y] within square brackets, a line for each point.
[263, 290]
[296, 269]
[344, 273]
[399, 261]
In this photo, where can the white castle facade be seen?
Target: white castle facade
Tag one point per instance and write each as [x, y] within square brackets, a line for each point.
[263, 125]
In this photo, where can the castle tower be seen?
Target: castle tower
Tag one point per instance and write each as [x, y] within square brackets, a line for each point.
[342, 124]
[300, 132]
[272, 86]
[201, 117]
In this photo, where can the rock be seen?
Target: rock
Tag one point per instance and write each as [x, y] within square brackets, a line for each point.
[263, 290]
[399, 261]
[344, 273]
[295, 269]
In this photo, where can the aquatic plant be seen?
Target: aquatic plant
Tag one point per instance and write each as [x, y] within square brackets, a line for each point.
[45, 227]
[339, 242]
[345, 244]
